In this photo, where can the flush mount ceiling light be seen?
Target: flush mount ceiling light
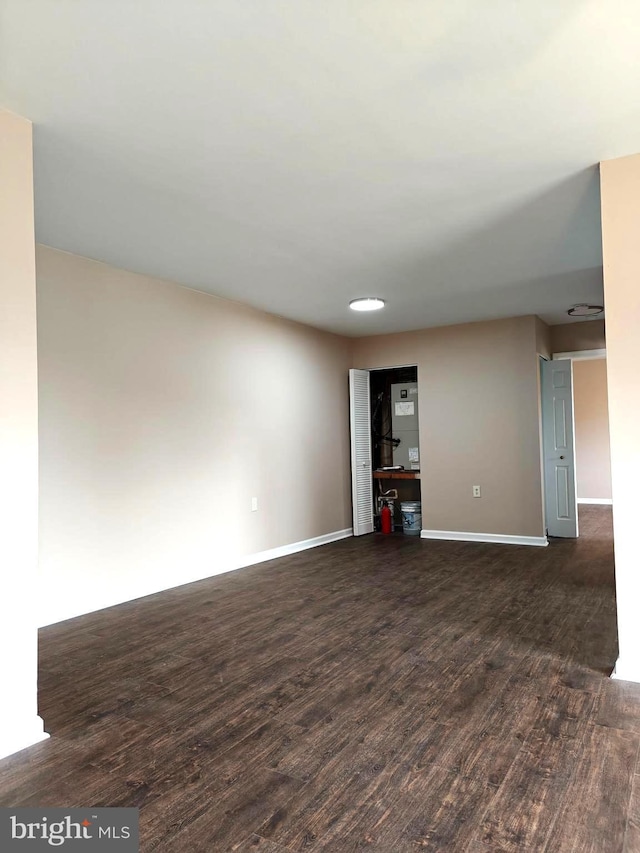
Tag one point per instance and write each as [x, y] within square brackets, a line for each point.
[366, 303]
[584, 310]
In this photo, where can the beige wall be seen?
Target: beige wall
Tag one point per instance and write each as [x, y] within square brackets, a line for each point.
[620, 193]
[478, 422]
[593, 466]
[19, 723]
[163, 412]
[574, 337]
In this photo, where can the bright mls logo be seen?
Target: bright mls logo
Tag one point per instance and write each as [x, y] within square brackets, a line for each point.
[70, 829]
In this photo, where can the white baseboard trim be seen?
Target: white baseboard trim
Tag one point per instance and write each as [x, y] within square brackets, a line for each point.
[494, 538]
[52, 615]
[20, 735]
[622, 672]
[294, 547]
[599, 501]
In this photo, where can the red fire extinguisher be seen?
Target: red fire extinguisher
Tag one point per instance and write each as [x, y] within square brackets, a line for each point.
[386, 519]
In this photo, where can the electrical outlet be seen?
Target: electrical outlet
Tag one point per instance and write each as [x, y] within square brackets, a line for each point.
[254, 504]
[476, 492]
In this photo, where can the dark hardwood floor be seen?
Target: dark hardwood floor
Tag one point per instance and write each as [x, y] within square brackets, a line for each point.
[383, 694]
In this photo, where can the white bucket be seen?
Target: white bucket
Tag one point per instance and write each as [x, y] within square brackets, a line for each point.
[411, 517]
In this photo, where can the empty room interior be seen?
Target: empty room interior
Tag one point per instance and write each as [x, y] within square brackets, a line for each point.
[319, 418]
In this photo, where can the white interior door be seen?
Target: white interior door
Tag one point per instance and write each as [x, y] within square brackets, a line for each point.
[361, 474]
[558, 447]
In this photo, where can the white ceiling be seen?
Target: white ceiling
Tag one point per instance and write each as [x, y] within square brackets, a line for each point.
[295, 154]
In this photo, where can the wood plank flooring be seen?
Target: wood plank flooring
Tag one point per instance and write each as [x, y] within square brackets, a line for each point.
[383, 694]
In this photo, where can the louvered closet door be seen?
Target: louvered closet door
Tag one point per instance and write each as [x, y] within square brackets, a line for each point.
[361, 477]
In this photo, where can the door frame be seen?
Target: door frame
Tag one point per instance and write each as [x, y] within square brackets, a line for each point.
[585, 355]
[543, 489]
[372, 370]
[573, 355]
[580, 355]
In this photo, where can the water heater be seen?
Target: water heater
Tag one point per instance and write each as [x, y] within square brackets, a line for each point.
[404, 425]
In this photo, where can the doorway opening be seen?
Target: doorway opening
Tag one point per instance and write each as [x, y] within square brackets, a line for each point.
[385, 448]
[591, 417]
[575, 437]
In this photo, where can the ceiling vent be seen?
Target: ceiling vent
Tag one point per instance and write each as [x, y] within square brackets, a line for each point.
[584, 310]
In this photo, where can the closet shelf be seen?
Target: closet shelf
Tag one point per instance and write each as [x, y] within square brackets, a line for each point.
[396, 475]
